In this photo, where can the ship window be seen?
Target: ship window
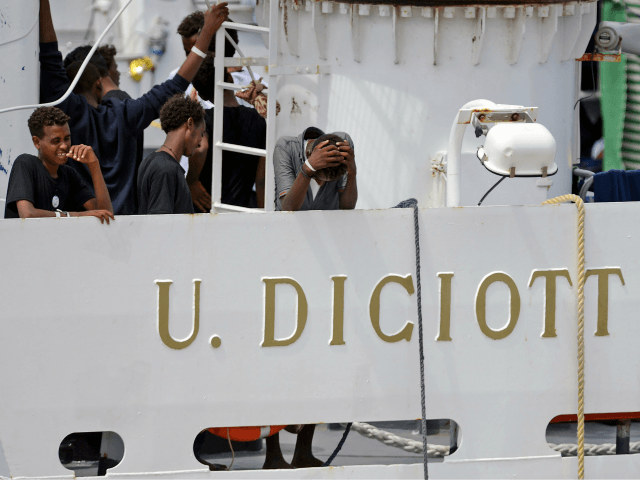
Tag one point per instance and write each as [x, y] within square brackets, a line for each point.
[91, 453]
[605, 434]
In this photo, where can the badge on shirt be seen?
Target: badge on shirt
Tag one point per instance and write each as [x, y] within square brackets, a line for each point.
[55, 201]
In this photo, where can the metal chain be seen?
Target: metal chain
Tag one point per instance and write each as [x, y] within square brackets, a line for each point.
[581, 279]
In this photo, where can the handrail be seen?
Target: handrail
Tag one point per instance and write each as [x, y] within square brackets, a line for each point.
[80, 71]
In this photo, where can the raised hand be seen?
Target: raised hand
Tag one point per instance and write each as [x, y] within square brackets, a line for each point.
[348, 156]
[325, 155]
[100, 214]
[214, 17]
[83, 154]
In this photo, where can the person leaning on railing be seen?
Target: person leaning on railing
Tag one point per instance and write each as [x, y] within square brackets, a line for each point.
[315, 171]
[112, 129]
[44, 186]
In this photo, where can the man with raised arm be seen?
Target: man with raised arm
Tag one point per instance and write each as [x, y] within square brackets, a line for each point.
[44, 186]
[315, 171]
[111, 129]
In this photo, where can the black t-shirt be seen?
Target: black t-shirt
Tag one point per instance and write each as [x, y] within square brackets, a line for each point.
[242, 126]
[162, 187]
[122, 95]
[30, 180]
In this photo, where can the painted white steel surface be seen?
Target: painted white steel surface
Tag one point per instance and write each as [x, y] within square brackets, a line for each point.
[398, 80]
[81, 349]
[19, 82]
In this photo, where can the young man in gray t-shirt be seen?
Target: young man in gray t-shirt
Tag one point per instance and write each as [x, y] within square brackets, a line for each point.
[315, 171]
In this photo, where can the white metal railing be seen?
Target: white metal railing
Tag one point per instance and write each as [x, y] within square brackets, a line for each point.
[219, 146]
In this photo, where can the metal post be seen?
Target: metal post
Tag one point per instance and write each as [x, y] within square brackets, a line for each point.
[269, 189]
[622, 436]
[218, 115]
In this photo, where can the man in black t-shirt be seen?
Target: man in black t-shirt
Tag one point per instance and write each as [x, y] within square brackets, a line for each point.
[162, 187]
[44, 186]
[242, 126]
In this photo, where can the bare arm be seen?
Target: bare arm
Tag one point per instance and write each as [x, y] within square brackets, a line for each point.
[27, 210]
[85, 154]
[47, 32]
[199, 196]
[260, 182]
[213, 19]
[349, 197]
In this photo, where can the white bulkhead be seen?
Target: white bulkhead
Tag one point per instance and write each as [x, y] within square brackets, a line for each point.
[394, 77]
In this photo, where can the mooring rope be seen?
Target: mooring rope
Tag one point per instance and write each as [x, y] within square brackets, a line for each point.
[414, 446]
[581, 278]
[339, 447]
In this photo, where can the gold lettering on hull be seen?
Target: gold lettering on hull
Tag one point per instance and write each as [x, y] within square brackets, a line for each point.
[163, 315]
[602, 329]
[481, 305]
[550, 277]
[374, 308]
[337, 325]
[444, 335]
[270, 312]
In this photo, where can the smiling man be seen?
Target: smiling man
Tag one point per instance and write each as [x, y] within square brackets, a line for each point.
[44, 186]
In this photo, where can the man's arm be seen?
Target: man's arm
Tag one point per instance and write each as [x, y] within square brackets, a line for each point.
[85, 154]
[260, 182]
[47, 32]
[323, 156]
[349, 196]
[213, 19]
[199, 196]
[27, 210]
[53, 78]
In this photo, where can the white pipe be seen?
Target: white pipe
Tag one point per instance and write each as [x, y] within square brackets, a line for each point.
[454, 151]
[80, 72]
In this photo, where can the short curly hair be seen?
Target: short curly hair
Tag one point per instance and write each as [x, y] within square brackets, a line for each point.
[178, 110]
[109, 53]
[80, 53]
[45, 117]
[191, 24]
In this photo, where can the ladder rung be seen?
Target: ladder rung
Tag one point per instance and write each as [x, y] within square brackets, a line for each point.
[246, 61]
[245, 27]
[234, 86]
[258, 152]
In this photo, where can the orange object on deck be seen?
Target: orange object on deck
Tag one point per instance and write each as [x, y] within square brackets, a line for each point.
[246, 434]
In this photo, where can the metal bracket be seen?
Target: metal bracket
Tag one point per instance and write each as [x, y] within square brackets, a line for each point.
[318, 25]
[290, 25]
[478, 37]
[354, 23]
[548, 28]
[517, 27]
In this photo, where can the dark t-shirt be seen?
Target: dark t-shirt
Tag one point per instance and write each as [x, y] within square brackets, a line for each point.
[242, 126]
[30, 180]
[122, 95]
[162, 187]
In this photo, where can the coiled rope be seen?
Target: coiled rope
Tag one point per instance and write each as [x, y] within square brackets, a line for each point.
[581, 278]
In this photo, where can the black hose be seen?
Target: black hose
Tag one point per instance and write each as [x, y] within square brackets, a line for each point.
[490, 190]
[339, 447]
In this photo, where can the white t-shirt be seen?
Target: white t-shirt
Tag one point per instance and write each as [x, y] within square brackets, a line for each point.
[240, 78]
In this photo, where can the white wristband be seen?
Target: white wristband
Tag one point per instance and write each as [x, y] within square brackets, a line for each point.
[198, 52]
[309, 165]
